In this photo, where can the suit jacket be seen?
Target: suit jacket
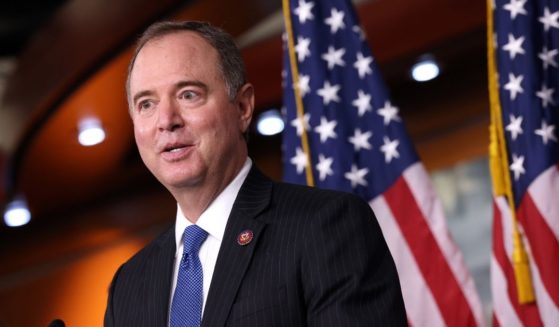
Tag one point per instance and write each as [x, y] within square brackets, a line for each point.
[317, 258]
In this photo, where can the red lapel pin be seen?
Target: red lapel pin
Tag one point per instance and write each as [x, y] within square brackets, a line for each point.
[245, 237]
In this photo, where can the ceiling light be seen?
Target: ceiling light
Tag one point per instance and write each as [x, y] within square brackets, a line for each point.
[425, 70]
[91, 132]
[16, 213]
[270, 123]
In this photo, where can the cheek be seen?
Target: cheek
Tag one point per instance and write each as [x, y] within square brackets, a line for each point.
[141, 127]
[138, 135]
[141, 134]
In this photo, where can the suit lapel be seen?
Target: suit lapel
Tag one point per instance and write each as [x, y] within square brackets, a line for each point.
[163, 270]
[233, 259]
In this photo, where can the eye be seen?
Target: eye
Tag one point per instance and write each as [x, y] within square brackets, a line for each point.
[145, 105]
[188, 95]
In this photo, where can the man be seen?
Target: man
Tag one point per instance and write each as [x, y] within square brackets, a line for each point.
[265, 253]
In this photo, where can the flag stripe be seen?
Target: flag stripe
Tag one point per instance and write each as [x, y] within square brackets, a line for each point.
[545, 185]
[505, 313]
[420, 304]
[432, 210]
[546, 307]
[502, 251]
[544, 247]
[429, 258]
[495, 323]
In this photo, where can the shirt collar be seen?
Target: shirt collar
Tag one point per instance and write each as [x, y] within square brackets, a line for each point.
[214, 219]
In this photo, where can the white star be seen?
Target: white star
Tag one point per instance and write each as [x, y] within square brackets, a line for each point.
[513, 86]
[517, 166]
[389, 148]
[304, 11]
[302, 48]
[299, 160]
[335, 21]
[304, 84]
[326, 129]
[357, 29]
[299, 123]
[549, 19]
[324, 167]
[357, 176]
[548, 57]
[329, 93]
[514, 46]
[516, 7]
[334, 57]
[363, 65]
[546, 132]
[361, 140]
[363, 103]
[515, 126]
[389, 112]
[546, 95]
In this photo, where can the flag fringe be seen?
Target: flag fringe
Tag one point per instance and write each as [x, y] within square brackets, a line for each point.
[499, 170]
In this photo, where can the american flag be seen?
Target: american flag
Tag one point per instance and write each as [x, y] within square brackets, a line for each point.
[523, 49]
[357, 143]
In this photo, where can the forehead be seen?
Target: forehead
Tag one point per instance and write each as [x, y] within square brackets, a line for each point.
[183, 53]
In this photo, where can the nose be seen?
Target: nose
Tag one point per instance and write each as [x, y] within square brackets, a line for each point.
[169, 117]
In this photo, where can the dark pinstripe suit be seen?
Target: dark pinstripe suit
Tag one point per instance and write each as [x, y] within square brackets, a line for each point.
[318, 258]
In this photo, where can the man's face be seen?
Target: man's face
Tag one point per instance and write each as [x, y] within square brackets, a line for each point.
[188, 131]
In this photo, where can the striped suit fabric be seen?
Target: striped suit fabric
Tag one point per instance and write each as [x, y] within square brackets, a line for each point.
[318, 258]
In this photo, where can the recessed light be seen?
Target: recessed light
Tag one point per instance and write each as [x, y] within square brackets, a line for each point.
[270, 123]
[90, 131]
[17, 213]
[425, 70]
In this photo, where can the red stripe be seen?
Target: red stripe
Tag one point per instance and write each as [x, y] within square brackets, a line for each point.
[495, 322]
[527, 313]
[544, 245]
[448, 295]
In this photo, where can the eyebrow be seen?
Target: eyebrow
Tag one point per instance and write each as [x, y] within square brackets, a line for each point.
[199, 84]
[139, 95]
[178, 85]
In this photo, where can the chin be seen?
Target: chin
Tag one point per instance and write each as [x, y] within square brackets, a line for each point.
[176, 181]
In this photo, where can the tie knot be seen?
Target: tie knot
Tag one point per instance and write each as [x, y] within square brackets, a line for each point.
[193, 238]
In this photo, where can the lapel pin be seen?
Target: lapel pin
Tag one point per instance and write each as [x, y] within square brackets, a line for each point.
[245, 237]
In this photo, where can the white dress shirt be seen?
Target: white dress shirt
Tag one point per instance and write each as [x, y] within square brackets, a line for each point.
[213, 220]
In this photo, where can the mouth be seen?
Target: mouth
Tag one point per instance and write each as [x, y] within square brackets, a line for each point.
[174, 148]
[175, 151]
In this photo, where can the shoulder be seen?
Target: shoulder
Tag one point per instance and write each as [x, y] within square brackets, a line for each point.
[150, 252]
[316, 198]
[259, 192]
[143, 267]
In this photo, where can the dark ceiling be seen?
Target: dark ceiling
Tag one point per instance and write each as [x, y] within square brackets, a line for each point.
[19, 20]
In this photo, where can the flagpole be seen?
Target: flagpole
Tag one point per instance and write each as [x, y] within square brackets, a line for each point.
[298, 99]
[499, 169]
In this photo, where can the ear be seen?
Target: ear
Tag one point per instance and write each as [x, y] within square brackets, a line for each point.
[245, 105]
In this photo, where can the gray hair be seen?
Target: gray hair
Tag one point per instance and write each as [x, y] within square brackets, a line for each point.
[231, 63]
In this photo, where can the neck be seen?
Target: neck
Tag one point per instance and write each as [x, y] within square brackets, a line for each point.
[194, 200]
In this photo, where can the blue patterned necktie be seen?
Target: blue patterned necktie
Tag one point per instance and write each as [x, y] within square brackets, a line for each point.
[186, 308]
